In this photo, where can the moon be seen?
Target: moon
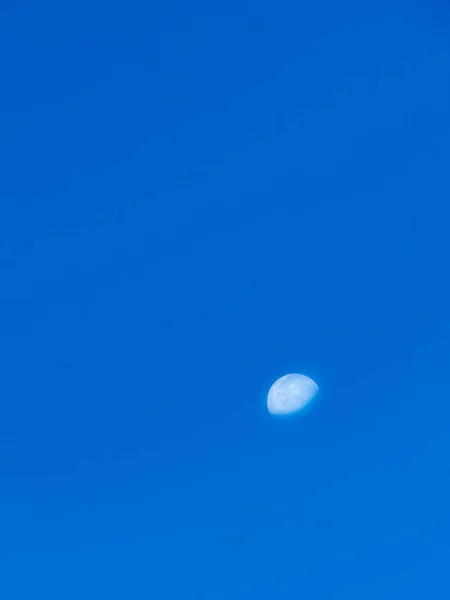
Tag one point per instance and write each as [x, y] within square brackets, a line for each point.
[290, 394]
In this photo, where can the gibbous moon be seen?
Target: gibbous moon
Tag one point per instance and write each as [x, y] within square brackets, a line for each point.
[290, 394]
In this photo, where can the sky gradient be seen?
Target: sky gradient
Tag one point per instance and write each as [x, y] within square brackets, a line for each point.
[196, 199]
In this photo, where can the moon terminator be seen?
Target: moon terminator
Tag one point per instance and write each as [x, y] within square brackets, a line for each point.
[290, 394]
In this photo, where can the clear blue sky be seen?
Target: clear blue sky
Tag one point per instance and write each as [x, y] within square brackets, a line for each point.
[197, 198]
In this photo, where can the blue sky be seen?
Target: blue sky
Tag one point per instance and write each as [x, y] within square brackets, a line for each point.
[197, 198]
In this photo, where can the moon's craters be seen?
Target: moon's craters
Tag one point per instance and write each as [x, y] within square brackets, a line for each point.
[290, 393]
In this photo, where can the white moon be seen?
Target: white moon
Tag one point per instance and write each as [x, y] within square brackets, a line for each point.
[290, 394]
